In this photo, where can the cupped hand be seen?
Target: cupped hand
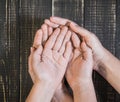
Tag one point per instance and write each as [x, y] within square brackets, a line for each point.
[90, 39]
[49, 63]
[80, 68]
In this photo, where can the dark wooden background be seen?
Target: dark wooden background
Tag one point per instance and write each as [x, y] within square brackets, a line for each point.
[19, 20]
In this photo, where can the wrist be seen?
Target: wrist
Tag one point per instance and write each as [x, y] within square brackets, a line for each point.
[82, 84]
[61, 89]
[46, 86]
[103, 62]
[84, 89]
[39, 92]
[100, 58]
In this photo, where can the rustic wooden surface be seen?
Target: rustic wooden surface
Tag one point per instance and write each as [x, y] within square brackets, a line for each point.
[19, 20]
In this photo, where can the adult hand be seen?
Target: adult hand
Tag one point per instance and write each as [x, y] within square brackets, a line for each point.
[109, 64]
[90, 39]
[80, 68]
[79, 72]
[49, 64]
[40, 38]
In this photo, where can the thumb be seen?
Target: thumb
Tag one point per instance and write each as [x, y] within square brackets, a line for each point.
[87, 52]
[37, 54]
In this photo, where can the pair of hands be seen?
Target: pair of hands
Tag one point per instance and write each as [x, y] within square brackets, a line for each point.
[54, 55]
[52, 60]
[58, 51]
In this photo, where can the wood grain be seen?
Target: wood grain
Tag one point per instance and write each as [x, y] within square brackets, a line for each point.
[9, 52]
[31, 16]
[70, 9]
[100, 19]
[19, 20]
[117, 39]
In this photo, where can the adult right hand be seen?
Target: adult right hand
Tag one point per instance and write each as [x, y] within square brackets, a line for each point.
[90, 39]
[109, 64]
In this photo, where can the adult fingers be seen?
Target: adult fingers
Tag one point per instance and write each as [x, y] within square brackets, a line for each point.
[60, 38]
[44, 28]
[79, 30]
[67, 38]
[34, 60]
[30, 68]
[48, 22]
[76, 54]
[50, 30]
[37, 55]
[62, 21]
[86, 51]
[38, 38]
[51, 41]
[68, 51]
[75, 40]
[59, 20]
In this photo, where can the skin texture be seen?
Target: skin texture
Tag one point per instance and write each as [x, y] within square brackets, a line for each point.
[61, 94]
[79, 72]
[104, 62]
[90, 39]
[48, 65]
[61, 90]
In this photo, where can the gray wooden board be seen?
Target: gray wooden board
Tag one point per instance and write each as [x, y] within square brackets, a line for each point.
[100, 19]
[31, 15]
[117, 39]
[19, 20]
[9, 52]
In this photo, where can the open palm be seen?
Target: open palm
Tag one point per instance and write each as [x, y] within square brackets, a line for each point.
[49, 63]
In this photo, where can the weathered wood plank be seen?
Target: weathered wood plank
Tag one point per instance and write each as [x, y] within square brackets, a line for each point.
[71, 9]
[117, 39]
[9, 52]
[32, 13]
[19, 19]
[100, 19]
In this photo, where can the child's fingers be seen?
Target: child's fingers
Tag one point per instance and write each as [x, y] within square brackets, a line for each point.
[51, 41]
[60, 39]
